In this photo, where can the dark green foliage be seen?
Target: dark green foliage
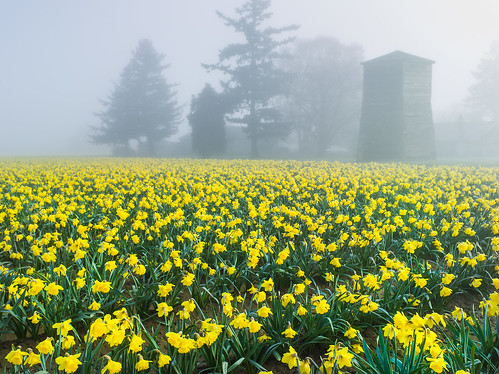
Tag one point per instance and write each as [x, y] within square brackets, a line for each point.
[207, 119]
[142, 106]
[473, 345]
[384, 358]
[253, 78]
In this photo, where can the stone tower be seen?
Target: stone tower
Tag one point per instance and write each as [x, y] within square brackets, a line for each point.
[396, 121]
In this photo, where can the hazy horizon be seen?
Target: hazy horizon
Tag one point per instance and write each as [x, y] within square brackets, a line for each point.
[61, 58]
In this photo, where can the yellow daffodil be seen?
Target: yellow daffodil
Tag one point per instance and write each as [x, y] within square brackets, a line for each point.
[45, 346]
[112, 367]
[16, 357]
[69, 363]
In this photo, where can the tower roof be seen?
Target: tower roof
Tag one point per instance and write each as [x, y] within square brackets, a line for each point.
[400, 57]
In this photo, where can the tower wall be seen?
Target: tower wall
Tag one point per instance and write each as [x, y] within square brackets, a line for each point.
[396, 120]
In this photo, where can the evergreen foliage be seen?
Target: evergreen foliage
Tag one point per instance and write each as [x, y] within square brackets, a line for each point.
[142, 106]
[207, 120]
[253, 77]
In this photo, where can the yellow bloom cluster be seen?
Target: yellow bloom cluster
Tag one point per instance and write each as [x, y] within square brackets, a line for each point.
[268, 250]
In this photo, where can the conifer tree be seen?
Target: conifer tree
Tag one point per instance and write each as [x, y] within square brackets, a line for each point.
[142, 106]
[207, 120]
[253, 78]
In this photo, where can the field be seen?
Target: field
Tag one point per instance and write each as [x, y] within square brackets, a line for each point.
[190, 266]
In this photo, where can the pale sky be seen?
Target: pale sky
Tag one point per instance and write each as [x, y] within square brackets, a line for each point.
[58, 58]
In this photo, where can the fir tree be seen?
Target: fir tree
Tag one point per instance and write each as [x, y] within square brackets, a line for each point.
[142, 106]
[253, 77]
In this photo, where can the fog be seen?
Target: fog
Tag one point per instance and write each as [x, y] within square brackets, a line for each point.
[60, 58]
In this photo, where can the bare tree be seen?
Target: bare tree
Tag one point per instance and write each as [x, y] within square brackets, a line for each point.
[483, 95]
[324, 92]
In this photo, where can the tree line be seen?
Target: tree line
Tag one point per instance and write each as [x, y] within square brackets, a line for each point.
[273, 86]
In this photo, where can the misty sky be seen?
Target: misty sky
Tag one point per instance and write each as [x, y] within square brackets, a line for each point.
[58, 58]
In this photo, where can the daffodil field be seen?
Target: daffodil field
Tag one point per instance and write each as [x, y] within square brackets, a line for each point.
[194, 266]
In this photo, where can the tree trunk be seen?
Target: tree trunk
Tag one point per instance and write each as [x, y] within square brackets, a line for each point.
[151, 149]
[253, 131]
[254, 147]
